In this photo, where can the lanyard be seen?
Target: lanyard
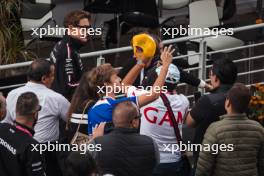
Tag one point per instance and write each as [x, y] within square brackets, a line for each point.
[24, 130]
[68, 51]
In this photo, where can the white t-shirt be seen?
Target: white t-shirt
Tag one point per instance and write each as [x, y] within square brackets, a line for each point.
[155, 122]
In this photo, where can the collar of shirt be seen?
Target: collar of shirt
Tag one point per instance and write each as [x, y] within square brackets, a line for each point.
[37, 85]
[24, 129]
[234, 116]
[74, 43]
[108, 97]
[222, 88]
[124, 130]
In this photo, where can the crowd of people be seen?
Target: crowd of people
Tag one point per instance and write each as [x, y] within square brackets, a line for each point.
[136, 133]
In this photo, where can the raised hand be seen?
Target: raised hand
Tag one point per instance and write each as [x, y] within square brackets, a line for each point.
[166, 55]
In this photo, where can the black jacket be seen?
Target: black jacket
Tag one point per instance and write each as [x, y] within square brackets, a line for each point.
[185, 77]
[126, 153]
[206, 111]
[17, 157]
[68, 66]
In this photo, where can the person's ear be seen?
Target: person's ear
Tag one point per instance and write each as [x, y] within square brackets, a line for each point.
[36, 115]
[227, 103]
[135, 123]
[44, 79]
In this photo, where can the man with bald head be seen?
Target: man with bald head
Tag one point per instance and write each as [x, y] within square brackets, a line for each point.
[126, 115]
[124, 151]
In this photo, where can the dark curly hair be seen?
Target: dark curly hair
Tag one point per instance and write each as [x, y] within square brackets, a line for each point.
[80, 165]
[73, 18]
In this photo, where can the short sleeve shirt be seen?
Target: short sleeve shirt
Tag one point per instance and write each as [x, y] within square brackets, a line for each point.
[156, 123]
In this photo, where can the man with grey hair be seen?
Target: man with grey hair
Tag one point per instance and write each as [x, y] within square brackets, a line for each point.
[124, 151]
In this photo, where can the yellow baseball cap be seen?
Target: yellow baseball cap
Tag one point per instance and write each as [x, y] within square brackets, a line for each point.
[146, 43]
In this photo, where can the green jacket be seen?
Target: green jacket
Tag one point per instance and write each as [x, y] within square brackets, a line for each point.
[241, 148]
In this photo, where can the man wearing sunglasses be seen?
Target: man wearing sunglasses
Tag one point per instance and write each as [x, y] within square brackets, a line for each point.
[65, 54]
[209, 107]
[124, 151]
[17, 155]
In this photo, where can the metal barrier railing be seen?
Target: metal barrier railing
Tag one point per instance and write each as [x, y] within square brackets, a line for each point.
[202, 54]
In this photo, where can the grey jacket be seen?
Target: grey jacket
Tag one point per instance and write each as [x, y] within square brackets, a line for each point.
[244, 155]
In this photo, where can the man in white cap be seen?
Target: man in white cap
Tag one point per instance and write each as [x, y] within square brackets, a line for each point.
[156, 122]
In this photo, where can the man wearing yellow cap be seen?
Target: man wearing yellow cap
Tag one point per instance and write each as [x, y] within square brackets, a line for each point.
[144, 46]
[147, 47]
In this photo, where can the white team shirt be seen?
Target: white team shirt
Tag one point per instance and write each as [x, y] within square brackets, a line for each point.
[155, 122]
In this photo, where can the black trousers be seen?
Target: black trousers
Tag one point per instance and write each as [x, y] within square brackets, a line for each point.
[52, 163]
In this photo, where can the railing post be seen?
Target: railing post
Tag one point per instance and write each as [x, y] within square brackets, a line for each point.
[100, 60]
[202, 61]
[160, 6]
